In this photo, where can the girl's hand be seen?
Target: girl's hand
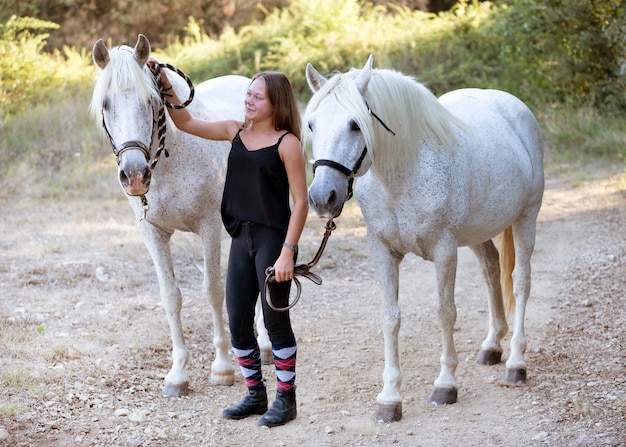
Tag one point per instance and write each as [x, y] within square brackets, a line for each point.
[152, 63]
[283, 267]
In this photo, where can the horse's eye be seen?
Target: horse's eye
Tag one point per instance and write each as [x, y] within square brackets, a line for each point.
[310, 126]
[354, 127]
[106, 103]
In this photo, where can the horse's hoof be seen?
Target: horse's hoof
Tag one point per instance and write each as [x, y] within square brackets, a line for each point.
[266, 356]
[515, 376]
[441, 396]
[170, 390]
[487, 357]
[223, 378]
[388, 412]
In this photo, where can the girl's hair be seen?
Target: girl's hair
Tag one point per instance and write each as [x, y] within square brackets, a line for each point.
[280, 94]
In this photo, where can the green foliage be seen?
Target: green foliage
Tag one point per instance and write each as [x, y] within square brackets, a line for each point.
[21, 71]
[59, 141]
[28, 75]
[453, 49]
[565, 51]
[559, 51]
[562, 57]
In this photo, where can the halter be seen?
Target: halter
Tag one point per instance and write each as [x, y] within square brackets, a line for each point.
[351, 173]
[160, 123]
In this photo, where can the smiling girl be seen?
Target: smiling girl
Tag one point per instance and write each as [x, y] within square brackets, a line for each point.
[265, 165]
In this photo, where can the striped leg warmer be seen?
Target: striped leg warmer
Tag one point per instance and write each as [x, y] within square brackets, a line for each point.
[285, 363]
[250, 364]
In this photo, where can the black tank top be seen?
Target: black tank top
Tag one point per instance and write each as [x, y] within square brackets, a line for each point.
[256, 188]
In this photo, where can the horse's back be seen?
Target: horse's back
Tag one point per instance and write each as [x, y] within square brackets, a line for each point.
[498, 123]
[496, 109]
[224, 96]
[503, 158]
[193, 176]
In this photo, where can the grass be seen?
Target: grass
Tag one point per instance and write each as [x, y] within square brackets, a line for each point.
[583, 136]
[54, 150]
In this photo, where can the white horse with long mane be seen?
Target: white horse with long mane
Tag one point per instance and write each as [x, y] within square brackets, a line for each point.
[433, 175]
[183, 191]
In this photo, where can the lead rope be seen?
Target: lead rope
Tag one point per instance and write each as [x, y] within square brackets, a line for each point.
[161, 117]
[161, 122]
[303, 270]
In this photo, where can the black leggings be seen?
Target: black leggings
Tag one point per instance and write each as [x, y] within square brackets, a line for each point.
[254, 248]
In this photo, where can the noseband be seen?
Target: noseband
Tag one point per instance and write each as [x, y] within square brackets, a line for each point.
[135, 144]
[350, 173]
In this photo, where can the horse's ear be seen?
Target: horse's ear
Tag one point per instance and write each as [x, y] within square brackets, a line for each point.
[363, 79]
[142, 50]
[313, 78]
[100, 54]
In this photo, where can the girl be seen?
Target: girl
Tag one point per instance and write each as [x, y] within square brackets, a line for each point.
[265, 164]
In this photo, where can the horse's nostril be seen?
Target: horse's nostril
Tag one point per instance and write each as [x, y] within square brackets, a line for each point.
[124, 178]
[332, 197]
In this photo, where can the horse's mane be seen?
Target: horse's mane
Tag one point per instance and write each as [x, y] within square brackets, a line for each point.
[123, 76]
[405, 105]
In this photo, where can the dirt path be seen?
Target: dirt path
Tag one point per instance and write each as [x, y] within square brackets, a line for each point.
[84, 343]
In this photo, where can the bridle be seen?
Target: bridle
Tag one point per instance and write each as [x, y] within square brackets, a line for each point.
[351, 173]
[305, 269]
[159, 122]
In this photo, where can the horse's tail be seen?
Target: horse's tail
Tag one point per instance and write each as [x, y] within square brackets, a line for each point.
[507, 263]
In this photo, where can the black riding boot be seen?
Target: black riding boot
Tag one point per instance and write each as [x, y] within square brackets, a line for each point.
[283, 409]
[254, 403]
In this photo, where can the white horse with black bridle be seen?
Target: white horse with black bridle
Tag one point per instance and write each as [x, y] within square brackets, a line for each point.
[433, 175]
[173, 181]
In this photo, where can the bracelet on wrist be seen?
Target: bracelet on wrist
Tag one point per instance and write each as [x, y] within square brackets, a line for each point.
[293, 248]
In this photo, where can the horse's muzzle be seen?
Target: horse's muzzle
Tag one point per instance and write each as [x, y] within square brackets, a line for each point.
[137, 182]
[325, 203]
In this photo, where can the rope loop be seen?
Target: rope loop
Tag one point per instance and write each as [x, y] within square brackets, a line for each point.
[303, 270]
[180, 73]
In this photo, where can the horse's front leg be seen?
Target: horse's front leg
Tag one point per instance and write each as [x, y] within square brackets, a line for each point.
[222, 371]
[445, 257]
[158, 243]
[389, 401]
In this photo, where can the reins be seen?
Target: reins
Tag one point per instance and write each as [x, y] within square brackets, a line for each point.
[303, 270]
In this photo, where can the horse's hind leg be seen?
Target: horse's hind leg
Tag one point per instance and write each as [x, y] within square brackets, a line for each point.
[491, 348]
[524, 231]
[263, 337]
[222, 371]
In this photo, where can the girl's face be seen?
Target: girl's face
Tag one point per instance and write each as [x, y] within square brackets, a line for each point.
[258, 106]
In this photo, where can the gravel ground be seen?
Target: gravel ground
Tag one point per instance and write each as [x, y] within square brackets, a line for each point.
[84, 343]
